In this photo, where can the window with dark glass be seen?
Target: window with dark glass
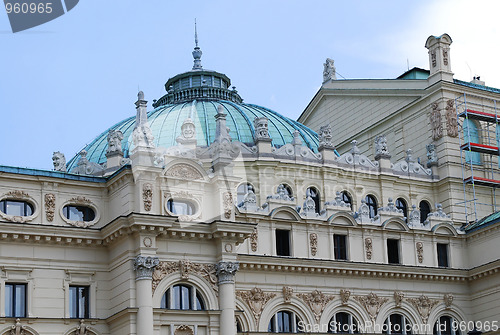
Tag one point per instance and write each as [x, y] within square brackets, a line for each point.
[371, 202]
[340, 246]
[442, 253]
[16, 207]
[282, 242]
[401, 205]
[397, 324]
[314, 194]
[444, 326]
[346, 197]
[79, 302]
[425, 209]
[284, 322]
[15, 300]
[183, 297]
[239, 328]
[180, 207]
[78, 213]
[343, 323]
[393, 251]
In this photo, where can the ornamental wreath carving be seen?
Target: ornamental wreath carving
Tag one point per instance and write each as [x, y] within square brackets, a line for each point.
[184, 171]
[437, 127]
[451, 119]
[368, 248]
[254, 240]
[424, 305]
[256, 299]
[185, 269]
[313, 241]
[317, 301]
[50, 206]
[147, 196]
[371, 303]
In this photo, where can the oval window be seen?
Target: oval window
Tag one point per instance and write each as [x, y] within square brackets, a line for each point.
[180, 207]
[79, 213]
[16, 207]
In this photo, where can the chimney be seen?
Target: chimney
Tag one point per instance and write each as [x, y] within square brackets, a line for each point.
[439, 58]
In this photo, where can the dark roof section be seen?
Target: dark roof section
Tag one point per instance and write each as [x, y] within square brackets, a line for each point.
[484, 222]
[415, 73]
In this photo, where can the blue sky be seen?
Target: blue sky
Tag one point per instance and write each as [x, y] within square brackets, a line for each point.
[65, 82]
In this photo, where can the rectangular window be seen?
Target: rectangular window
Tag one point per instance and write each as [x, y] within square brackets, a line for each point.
[442, 251]
[79, 302]
[340, 247]
[282, 242]
[15, 300]
[393, 251]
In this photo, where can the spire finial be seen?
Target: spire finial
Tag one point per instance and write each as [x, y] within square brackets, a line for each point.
[197, 51]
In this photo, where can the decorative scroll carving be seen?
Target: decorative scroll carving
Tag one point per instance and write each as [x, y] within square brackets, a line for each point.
[344, 296]
[409, 165]
[325, 136]
[354, 157]
[254, 240]
[184, 171]
[115, 138]
[163, 269]
[391, 208]
[256, 299]
[281, 194]
[59, 161]
[144, 266]
[338, 202]
[287, 293]
[381, 150]
[184, 330]
[50, 206]
[432, 159]
[439, 213]
[261, 130]
[226, 271]
[82, 329]
[420, 251]
[313, 241]
[371, 303]
[451, 119]
[296, 150]
[147, 196]
[448, 299]
[80, 200]
[329, 72]
[437, 127]
[398, 298]
[368, 247]
[423, 305]
[228, 204]
[317, 301]
[18, 328]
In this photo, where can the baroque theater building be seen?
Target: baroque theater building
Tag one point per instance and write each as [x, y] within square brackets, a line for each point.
[375, 212]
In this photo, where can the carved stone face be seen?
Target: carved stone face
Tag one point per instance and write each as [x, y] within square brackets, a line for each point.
[325, 134]
[188, 130]
[381, 144]
[59, 161]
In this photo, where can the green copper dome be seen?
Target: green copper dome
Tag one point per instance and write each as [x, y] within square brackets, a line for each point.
[165, 122]
[197, 94]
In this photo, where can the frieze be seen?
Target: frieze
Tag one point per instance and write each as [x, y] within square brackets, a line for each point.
[206, 271]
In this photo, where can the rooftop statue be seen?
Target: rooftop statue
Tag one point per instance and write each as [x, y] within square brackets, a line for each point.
[59, 161]
[329, 70]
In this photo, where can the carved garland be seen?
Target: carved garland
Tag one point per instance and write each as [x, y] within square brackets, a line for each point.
[254, 240]
[437, 127]
[451, 119]
[228, 204]
[147, 196]
[185, 269]
[256, 299]
[368, 248]
[287, 293]
[313, 241]
[344, 296]
[50, 206]
[420, 251]
[317, 301]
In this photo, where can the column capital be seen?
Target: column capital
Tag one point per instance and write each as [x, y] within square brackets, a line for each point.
[144, 266]
[226, 271]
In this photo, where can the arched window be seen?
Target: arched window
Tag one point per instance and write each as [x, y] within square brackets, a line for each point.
[242, 191]
[16, 207]
[314, 193]
[343, 323]
[371, 202]
[78, 213]
[444, 326]
[239, 328]
[284, 322]
[397, 324]
[180, 207]
[401, 204]
[288, 190]
[346, 197]
[471, 134]
[184, 297]
[425, 209]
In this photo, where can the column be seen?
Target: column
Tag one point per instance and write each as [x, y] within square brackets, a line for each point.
[144, 267]
[225, 273]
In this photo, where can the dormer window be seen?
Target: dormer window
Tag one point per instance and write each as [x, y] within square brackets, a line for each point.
[16, 207]
[79, 213]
